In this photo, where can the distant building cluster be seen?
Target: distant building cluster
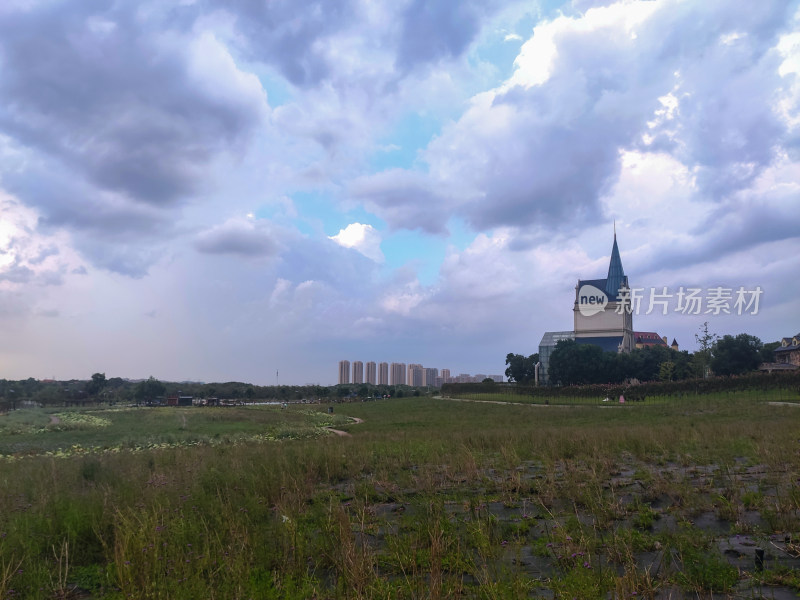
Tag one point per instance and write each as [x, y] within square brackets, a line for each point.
[788, 353]
[602, 317]
[414, 374]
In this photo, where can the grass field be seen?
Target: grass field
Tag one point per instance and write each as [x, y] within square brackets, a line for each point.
[428, 498]
[31, 431]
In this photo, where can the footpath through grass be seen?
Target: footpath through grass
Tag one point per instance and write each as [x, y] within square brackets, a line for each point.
[428, 499]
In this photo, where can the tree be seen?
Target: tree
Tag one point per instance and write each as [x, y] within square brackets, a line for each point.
[736, 355]
[96, 384]
[149, 389]
[666, 371]
[572, 363]
[520, 368]
[487, 380]
[645, 363]
[768, 351]
[705, 340]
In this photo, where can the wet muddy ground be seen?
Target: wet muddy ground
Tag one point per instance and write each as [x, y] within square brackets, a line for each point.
[664, 531]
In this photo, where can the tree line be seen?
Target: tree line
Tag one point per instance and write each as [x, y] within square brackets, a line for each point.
[755, 380]
[114, 390]
[572, 363]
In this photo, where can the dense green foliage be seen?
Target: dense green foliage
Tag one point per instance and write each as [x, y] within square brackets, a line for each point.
[736, 355]
[572, 363]
[520, 368]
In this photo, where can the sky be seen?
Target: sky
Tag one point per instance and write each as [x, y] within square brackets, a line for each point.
[247, 190]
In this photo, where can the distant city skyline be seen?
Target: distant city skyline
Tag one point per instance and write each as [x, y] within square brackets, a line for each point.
[413, 374]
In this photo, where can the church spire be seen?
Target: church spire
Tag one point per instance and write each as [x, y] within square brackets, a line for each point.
[616, 275]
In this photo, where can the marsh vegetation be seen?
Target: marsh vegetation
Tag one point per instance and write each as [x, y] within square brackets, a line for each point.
[428, 498]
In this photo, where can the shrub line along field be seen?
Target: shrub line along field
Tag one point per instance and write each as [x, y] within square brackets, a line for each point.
[427, 498]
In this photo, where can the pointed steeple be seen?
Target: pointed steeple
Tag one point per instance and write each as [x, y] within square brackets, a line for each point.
[616, 275]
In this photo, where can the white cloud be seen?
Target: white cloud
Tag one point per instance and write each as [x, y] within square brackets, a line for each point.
[362, 237]
[214, 72]
[404, 300]
[29, 257]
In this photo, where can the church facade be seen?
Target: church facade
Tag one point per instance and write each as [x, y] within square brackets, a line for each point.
[602, 310]
[602, 315]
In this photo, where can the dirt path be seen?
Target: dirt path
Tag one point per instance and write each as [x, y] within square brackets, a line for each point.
[341, 433]
[54, 420]
[784, 404]
[496, 402]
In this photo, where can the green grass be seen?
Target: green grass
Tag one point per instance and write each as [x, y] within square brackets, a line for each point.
[35, 431]
[428, 498]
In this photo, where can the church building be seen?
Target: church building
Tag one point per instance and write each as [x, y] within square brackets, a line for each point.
[602, 310]
[602, 315]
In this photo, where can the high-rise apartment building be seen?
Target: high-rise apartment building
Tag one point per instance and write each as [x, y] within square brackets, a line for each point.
[371, 374]
[429, 376]
[358, 371]
[344, 371]
[383, 373]
[415, 374]
[445, 375]
[398, 373]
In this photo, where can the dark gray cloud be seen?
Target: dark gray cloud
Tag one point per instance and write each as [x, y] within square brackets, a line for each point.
[404, 199]
[434, 30]
[238, 238]
[324, 260]
[17, 273]
[92, 86]
[43, 254]
[29, 271]
[295, 36]
[120, 110]
[132, 259]
[728, 231]
[287, 33]
[726, 79]
[77, 205]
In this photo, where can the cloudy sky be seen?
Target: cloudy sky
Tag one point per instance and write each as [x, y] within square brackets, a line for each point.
[225, 189]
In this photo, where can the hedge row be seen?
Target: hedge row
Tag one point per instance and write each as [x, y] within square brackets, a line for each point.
[752, 381]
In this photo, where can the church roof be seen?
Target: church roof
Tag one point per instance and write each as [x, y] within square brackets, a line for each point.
[648, 338]
[616, 276]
